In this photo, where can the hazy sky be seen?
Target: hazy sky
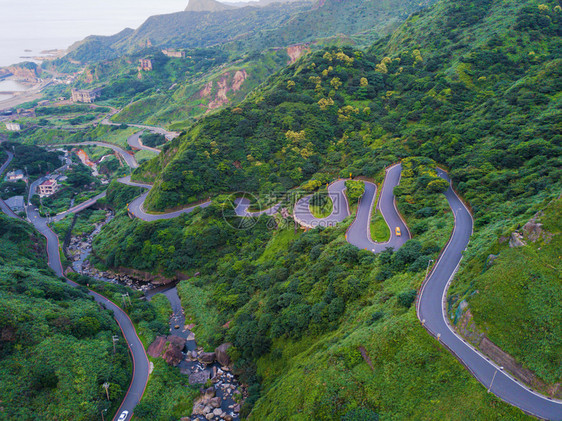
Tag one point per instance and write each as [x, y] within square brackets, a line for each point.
[48, 24]
[33, 19]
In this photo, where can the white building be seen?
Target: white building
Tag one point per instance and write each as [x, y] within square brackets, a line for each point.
[13, 127]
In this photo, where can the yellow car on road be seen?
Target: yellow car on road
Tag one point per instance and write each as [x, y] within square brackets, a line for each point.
[397, 232]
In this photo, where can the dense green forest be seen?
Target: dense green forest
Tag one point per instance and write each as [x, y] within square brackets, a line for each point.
[471, 86]
[320, 329]
[477, 108]
[293, 299]
[34, 161]
[55, 349]
[254, 28]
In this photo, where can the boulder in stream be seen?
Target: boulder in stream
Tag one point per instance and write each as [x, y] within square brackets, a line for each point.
[222, 354]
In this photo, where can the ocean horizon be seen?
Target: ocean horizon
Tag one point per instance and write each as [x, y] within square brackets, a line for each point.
[37, 26]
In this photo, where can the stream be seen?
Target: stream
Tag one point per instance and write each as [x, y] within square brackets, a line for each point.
[217, 401]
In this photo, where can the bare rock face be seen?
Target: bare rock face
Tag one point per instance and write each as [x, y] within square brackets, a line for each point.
[172, 355]
[516, 240]
[215, 402]
[207, 357]
[155, 349]
[177, 341]
[222, 355]
[532, 230]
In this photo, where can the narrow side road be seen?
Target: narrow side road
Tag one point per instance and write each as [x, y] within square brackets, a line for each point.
[136, 207]
[135, 141]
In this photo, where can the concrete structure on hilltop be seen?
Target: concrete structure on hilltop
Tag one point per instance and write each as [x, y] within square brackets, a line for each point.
[145, 64]
[85, 95]
[15, 175]
[13, 127]
[48, 187]
[173, 53]
[16, 203]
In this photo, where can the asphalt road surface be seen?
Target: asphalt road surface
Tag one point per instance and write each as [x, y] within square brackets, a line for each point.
[432, 312]
[359, 233]
[138, 354]
[243, 203]
[340, 210]
[166, 133]
[80, 207]
[431, 301]
[129, 158]
[136, 207]
[431, 306]
[135, 141]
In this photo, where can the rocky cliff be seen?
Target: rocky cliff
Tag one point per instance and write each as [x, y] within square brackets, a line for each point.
[25, 71]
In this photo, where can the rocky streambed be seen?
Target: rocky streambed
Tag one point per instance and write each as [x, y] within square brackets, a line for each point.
[221, 393]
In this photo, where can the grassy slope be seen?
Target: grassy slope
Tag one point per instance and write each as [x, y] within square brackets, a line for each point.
[515, 300]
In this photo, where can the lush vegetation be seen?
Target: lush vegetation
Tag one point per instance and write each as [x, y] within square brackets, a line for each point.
[153, 139]
[56, 349]
[320, 329]
[80, 186]
[352, 111]
[526, 280]
[354, 191]
[168, 394]
[33, 160]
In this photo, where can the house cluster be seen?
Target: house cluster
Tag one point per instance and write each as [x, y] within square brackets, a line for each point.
[15, 202]
[15, 175]
[86, 95]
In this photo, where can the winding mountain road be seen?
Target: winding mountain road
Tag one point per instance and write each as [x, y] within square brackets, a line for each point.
[359, 233]
[430, 306]
[340, 208]
[138, 354]
[135, 141]
[129, 158]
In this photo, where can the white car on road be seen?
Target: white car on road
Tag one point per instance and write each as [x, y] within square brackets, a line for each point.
[123, 416]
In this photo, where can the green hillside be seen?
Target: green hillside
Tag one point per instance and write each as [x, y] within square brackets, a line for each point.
[477, 109]
[473, 86]
[256, 41]
[55, 346]
[308, 308]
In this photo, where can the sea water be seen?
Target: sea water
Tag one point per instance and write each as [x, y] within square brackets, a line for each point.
[42, 25]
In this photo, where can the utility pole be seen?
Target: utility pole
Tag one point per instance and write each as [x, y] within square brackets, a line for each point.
[126, 295]
[106, 387]
[427, 269]
[114, 338]
[102, 418]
